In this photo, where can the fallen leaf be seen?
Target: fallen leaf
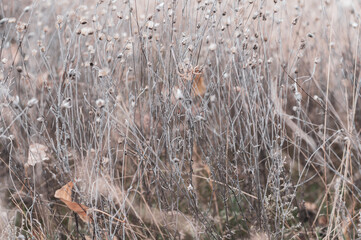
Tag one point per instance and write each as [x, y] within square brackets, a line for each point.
[64, 194]
[37, 153]
[80, 209]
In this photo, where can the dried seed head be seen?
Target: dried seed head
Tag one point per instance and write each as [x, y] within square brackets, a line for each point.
[303, 44]
[104, 72]
[170, 13]
[178, 94]
[255, 46]
[354, 24]
[83, 20]
[21, 27]
[15, 100]
[59, 20]
[32, 102]
[11, 137]
[294, 87]
[128, 46]
[190, 48]
[66, 103]
[298, 96]
[27, 9]
[100, 103]
[212, 47]
[150, 25]
[120, 15]
[91, 49]
[111, 90]
[160, 6]
[255, 15]
[87, 31]
[72, 73]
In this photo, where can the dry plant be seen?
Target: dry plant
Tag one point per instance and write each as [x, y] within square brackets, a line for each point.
[199, 119]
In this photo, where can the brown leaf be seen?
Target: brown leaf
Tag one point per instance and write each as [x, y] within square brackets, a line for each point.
[80, 209]
[64, 194]
[198, 85]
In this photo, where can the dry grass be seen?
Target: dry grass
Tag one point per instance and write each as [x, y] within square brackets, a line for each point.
[180, 119]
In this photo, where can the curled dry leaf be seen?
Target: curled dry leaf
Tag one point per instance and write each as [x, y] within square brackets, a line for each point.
[188, 73]
[37, 153]
[80, 209]
[198, 85]
[64, 194]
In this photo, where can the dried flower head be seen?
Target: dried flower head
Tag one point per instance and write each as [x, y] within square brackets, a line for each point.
[87, 31]
[104, 72]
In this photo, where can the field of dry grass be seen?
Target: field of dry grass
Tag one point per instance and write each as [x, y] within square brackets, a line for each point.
[188, 119]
